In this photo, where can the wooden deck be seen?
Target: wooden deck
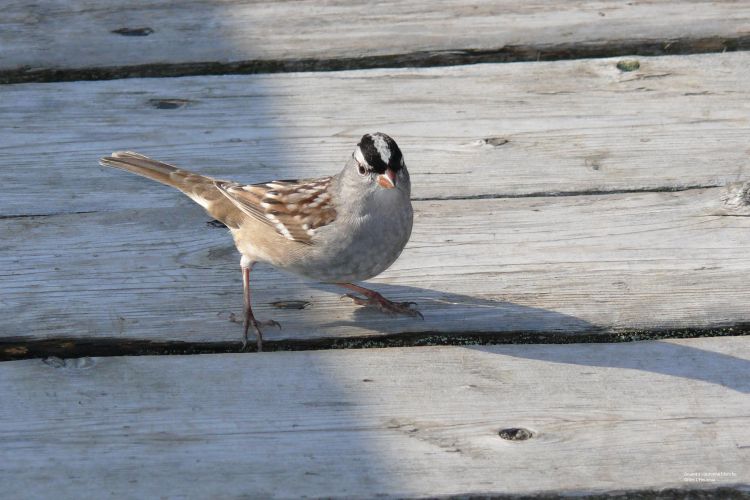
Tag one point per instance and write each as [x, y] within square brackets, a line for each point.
[405, 422]
[560, 200]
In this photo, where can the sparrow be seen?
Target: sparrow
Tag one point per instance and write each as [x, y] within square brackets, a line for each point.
[339, 229]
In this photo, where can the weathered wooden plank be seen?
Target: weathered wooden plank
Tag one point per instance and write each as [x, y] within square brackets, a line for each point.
[569, 126]
[565, 264]
[392, 422]
[93, 34]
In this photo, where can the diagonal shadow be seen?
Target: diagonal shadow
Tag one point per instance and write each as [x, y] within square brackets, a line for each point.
[706, 366]
[506, 322]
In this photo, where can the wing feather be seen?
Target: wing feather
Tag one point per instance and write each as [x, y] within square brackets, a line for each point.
[295, 208]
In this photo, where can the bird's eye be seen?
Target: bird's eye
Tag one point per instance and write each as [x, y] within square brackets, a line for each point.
[361, 169]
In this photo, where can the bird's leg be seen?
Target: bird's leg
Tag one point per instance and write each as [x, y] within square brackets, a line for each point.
[249, 317]
[248, 310]
[374, 299]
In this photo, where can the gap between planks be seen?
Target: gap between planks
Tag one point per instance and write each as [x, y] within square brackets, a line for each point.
[18, 349]
[422, 59]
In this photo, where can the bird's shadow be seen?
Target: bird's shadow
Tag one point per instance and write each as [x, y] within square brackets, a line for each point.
[446, 312]
[500, 322]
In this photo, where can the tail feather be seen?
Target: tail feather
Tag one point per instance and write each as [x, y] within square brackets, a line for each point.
[200, 188]
[145, 166]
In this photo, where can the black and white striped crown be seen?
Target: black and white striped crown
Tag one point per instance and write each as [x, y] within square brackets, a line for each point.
[380, 151]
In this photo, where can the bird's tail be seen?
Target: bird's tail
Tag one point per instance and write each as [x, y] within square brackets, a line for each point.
[200, 188]
[145, 166]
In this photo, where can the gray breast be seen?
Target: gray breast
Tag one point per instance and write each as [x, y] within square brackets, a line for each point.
[360, 247]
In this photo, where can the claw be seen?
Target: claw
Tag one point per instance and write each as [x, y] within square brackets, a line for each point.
[270, 322]
[376, 300]
[357, 300]
[256, 326]
[405, 308]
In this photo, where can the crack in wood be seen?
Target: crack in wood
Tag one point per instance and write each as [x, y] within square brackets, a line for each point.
[33, 216]
[145, 31]
[584, 192]
[508, 53]
[15, 349]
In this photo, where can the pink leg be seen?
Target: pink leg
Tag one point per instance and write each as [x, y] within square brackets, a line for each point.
[374, 299]
[249, 317]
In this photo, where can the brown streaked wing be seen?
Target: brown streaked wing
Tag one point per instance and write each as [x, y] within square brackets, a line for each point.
[295, 208]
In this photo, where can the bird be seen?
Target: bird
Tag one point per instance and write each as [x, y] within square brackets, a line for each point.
[339, 229]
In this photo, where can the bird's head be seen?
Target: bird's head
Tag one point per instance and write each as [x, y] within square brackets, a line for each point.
[379, 161]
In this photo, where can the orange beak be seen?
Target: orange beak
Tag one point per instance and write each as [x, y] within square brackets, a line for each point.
[387, 179]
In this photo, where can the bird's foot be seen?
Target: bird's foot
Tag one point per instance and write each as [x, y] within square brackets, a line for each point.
[384, 305]
[258, 334]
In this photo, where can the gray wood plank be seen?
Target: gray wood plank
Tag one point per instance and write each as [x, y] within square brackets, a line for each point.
[564, 265]
[484, 130]
[63, 34]
[379, 422]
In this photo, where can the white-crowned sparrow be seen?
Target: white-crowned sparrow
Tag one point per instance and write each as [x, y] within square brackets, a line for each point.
[348, 227]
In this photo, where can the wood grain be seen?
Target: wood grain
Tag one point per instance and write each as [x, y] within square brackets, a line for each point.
[485, 130]
[562, 265]
[65, 34]
[379, 422]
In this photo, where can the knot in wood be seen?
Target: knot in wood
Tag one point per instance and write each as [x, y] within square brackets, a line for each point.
[145, 31]
[627, 65]
[736, 195]
[494, 141]
[169, 103]
[515, 434]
